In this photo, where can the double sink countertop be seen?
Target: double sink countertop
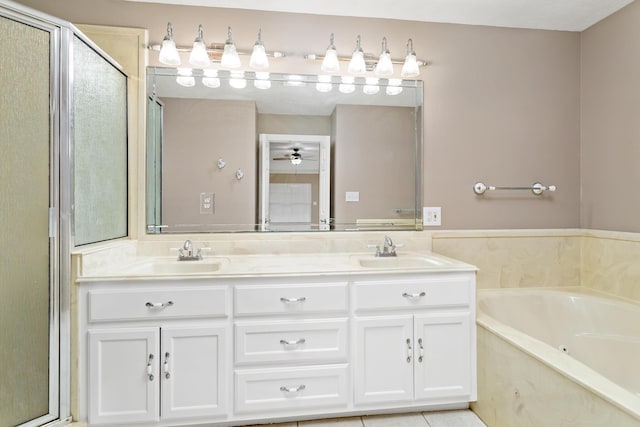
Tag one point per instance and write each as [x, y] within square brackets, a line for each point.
[223, 266]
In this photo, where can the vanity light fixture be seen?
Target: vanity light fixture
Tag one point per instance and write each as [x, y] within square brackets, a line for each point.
[185, 77]
[324, 84]
[384, 67]
[230, 58]
[410, 68]
[294, 80]
[371, 86]
[394, 87]
[210, 78]
[296, 158]
[199, 56]
[259, 60]
[347, 85]
[357, 65]
[262, 80]
[330, 63]
[168, 51]
[237, 80]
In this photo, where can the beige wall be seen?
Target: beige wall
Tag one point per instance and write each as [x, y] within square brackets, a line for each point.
[610, 122]
[196, 134]
[501, 105]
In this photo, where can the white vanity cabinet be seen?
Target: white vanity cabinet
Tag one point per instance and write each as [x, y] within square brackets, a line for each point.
[156, 354]
[291, 346]
[415, 340]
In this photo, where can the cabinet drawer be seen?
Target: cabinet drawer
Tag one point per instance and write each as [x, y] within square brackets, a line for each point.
[307, 340]
[398, 294]
[107, 306]
[291, 389]
[290, 299]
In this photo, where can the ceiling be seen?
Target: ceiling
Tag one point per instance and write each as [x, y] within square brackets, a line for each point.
[565, 15]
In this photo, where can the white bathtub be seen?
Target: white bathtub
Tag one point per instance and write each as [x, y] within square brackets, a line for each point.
[585, 336]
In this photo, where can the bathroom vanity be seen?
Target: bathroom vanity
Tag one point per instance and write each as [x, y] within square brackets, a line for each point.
[248, 339]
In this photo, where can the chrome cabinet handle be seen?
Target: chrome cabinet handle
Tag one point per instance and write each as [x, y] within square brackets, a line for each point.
[150, 367]
[159, 304]
[293, 389]
[409, 350]
[421, 350]
[414, 295]
[293, 342]
[167, 375]
[293, 300]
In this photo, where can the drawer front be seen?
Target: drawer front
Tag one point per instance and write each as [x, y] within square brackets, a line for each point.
[105, 306]
[307, 340]
[291, 299]
[291, 389]
[398, 294]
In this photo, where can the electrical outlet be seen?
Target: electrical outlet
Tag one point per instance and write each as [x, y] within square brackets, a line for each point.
[431, 216]
[207, 203]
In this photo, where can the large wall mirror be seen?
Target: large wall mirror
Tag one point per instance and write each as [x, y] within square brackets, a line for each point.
[233, 151]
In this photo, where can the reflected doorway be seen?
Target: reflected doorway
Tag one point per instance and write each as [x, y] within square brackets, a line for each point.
[294, 182]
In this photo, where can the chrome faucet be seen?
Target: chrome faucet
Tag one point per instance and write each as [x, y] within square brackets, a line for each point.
[388, 249]
[186, 252]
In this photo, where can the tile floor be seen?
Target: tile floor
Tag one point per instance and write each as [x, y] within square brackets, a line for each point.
[424, 419]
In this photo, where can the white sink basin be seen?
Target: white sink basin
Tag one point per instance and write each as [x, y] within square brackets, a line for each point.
[175, 268]
[401, 262]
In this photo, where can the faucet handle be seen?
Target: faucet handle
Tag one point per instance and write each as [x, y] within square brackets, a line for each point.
[376, 247]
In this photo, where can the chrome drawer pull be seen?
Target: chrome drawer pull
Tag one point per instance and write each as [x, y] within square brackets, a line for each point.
[421, 350]
[415, 295]
[167, 374]
[291, 300]
[293, 342]
[294, 389]
[409, 350]
[159, 304]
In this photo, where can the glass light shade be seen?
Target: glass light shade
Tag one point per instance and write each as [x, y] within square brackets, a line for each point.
[296, 160]
[262, 84]
[294, 80]
[347, 85]
[259, 60]
[185, 77]
[371, 87]
[394, 87]
[357, 65]
[230, 58]
[384, 67]
[212, 82]
[324, 84]
[199, 56]
[410, 67]
[330, 63]
[169, 53]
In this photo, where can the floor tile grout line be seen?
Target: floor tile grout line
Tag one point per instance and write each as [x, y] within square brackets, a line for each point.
[424, 417]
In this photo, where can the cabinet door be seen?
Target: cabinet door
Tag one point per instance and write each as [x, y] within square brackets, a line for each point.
[443, 357]
[123, 375]
[192, 371]
[384, 359]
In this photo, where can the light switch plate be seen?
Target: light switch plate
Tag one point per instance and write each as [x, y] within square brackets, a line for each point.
[352, 196]
[431, 216]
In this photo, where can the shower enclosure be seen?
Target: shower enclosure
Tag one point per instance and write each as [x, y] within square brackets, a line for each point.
[62, 162]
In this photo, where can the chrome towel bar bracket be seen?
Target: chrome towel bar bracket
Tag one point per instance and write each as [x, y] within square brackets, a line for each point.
[537, 188]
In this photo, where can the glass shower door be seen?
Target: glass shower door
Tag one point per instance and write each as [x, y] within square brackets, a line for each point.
[28, 335]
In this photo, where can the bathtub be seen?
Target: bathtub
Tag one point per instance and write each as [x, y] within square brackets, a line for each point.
[565, 357]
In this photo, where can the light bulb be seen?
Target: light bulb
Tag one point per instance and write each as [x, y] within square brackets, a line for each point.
[210, 78]
[168, 52]
[185, 77]
[259, 60]
[199, 56]
[237, 80]
[394, 87]
[357, 65]
[347, 85]
[230, 58]
[410, 68]
[371, 87]
[384, 67]
[330, 63]
[324, 84]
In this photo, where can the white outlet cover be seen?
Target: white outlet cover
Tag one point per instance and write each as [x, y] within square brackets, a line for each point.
[352, 196]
